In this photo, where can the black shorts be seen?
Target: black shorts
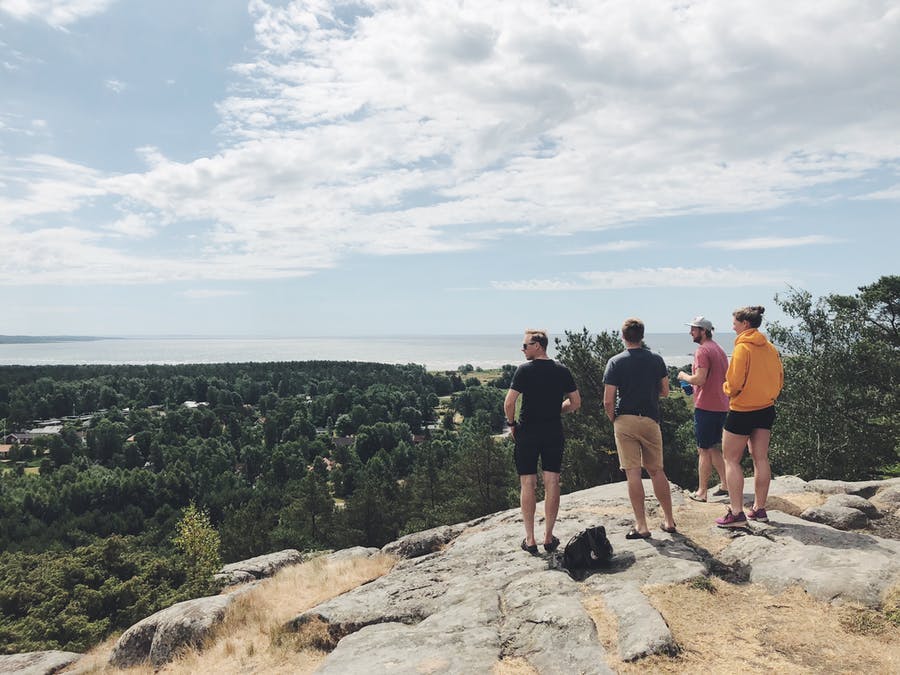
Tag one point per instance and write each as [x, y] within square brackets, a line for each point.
[533, 441]
[742, 423]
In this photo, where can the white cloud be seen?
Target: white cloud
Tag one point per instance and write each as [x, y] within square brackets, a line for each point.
[660, 277]
[757, 243]
[115, 86]
[394, 130]
[133, 226]
[610, 247]
[45, 185]
[57, 13]
[890, 193]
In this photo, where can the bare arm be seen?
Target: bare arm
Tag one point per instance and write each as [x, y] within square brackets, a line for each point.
[664, 387]
[698, 378]
[509, 408]
[609, 401]
[572, 402]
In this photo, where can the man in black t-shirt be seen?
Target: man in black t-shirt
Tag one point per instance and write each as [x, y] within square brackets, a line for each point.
[548, 390]
[634, 381]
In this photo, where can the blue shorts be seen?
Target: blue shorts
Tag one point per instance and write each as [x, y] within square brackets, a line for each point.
[708, 425]
[742, 423]
[538, 440]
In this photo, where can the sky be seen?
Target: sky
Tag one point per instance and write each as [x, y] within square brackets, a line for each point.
[439, 167]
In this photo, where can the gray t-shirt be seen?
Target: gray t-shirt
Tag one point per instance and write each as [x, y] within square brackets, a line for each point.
[636, 373]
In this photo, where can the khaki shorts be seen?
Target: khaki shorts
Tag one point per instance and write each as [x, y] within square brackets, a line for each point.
[638, 442]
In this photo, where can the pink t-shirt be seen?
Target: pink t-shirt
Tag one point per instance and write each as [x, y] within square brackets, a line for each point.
[711, 396]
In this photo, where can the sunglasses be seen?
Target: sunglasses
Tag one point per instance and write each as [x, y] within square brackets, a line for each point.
[525, 344]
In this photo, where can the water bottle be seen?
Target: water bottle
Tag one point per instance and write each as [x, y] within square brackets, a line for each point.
[686, 387]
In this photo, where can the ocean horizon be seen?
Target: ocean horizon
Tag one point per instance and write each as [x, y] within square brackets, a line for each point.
[435, 352]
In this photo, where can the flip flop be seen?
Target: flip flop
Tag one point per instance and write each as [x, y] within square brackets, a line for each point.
[720, 493]
[529, 549]
[669, 530]
[634, 534]
[552, 546]
[693, 495]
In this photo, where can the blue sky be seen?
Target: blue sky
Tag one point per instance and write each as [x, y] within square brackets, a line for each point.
[440, 167]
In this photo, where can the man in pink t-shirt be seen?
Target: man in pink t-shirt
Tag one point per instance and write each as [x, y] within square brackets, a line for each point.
[710, 403]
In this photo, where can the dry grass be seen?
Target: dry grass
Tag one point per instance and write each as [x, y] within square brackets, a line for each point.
[251, 639]
[514, 666]
[744, 629]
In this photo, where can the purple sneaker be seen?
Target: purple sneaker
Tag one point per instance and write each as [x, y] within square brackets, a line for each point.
[759, 515]
[731, 520]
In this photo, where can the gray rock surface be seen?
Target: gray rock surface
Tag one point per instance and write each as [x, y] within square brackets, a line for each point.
[860, 488]
[642, 630]
[352, 552]
[831, 565]
[259, 567]
[840, 517]
[158, 638]
[889, 495]
[478, 599]
[481, 599]
[422, 543]
[37, 663]
[854, 502]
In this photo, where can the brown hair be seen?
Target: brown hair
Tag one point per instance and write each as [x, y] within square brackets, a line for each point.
[633, 330]
[752, 315]
[538, 335]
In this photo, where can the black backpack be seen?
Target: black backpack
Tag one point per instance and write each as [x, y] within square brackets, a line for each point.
[588, 550]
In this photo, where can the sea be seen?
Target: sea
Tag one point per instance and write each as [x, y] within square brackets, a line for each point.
[435, 352]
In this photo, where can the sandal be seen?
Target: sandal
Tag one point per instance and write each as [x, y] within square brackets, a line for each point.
[669, 530]
[634, 534]
[696, 497]
[552, 545]
[529, 549]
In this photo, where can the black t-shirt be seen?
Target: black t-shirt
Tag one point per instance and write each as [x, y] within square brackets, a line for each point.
[637, 374]
[543, 384]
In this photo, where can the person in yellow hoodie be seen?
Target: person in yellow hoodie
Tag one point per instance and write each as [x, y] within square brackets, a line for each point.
[753, 381]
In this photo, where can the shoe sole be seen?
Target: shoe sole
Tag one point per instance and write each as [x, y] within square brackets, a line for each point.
[737, 523]
[759, 520]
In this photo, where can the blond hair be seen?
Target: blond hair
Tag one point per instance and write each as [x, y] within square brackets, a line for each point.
[538, 335]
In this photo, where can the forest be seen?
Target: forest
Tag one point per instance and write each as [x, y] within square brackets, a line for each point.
[161, 473]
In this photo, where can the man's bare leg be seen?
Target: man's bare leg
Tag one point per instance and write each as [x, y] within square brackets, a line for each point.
[551, 504]
[636, 495]
[663, 494]
[528, 485]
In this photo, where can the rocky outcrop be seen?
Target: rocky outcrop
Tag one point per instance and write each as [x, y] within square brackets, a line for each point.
[854, 502]
[259, 567]
[158, 638]
[422, 543]
[37, 663]
[352, 552]
[480, 599]
[859, 488]
[467, 598]
[161, 636]
[840, 517]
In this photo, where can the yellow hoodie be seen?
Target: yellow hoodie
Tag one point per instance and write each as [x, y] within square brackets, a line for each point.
[755, 376]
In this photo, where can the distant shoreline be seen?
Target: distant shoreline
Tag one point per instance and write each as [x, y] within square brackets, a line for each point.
[37, 339]
[437, 352]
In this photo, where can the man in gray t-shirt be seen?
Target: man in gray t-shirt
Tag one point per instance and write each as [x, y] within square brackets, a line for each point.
[634, 381]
